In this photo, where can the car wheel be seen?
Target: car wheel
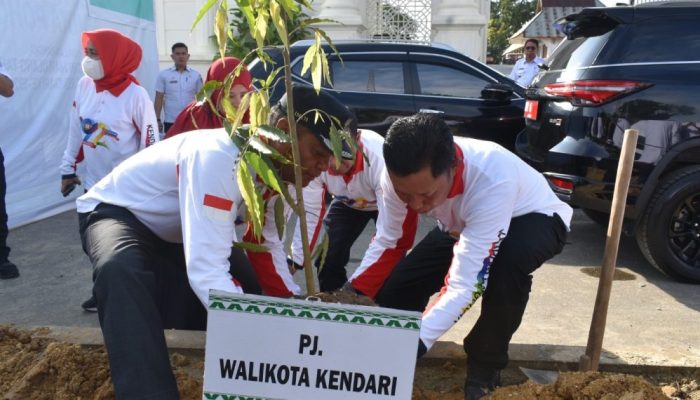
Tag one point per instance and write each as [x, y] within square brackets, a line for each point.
[599, 217]
[669, 235]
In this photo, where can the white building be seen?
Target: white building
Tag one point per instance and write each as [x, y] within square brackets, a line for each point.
[461, 24]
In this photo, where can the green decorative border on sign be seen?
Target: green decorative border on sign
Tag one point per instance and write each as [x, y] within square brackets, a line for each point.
[310, 312]
[225, 396]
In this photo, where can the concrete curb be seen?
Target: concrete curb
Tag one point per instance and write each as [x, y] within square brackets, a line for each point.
[541, 356]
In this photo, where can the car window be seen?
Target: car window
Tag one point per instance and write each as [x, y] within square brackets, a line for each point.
[439, 80]
[368, 76]
[656, 40]
[579, 52]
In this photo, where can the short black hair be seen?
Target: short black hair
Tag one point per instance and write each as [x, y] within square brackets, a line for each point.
[178, 45]
[414, 142]
[533, 41]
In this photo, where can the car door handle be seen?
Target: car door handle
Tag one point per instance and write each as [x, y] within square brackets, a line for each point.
[430, 111]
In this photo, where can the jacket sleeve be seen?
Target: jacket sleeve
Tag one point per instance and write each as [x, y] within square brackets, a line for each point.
[144, 119]
[396, 231]
[315, 207]
[75, 136]
[487, 219]
[207, 212]
[271, 266]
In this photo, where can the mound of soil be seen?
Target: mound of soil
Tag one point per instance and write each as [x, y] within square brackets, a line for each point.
[41, 369]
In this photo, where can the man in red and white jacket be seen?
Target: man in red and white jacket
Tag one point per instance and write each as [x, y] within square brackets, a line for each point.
[355, 188]
[159, 229]
[498, 222]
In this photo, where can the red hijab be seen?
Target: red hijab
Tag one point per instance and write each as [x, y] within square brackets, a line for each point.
[119, 55]
[201, 112]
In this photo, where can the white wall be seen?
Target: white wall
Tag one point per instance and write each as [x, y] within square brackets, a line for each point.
[461, 24]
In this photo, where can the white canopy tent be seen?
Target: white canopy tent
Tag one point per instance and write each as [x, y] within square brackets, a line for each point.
[41, 50]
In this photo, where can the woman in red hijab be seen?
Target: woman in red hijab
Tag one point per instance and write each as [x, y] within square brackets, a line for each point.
[112, 116]
[200, 115]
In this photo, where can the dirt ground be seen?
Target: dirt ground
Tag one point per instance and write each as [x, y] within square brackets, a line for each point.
[39, 369]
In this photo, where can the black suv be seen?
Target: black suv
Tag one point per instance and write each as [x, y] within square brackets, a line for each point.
[382, 82]
[626, 67]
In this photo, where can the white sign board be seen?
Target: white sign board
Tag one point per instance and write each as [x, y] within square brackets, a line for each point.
[270, 348]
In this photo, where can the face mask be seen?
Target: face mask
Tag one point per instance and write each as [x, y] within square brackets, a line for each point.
[93, 68]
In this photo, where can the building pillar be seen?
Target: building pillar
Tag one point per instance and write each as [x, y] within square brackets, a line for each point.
[462, 24]
[349, 14]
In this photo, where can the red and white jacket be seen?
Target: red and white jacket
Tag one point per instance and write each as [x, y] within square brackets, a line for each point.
[105, 130]
[184, 189]
[359, 189]
[491, 186]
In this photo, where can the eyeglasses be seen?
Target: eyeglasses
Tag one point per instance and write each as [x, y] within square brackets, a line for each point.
[530, 48]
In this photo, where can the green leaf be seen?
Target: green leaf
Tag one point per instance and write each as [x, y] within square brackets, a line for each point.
[247, 10]
[202, 11]
[273, 133]
[280, 219]
[290, 6]
[279, 22]
[261, 27]
[207, 89]
[264, 171]
[309, 58]
[305, 3]
[312, 21]
[240, 113]
[324, 67]
[321, 251]
[337, 145]
[329, 41]
[271, 78]
[248, 246]
[221, 24]
[252, 198]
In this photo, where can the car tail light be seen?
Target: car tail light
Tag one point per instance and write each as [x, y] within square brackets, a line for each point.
[560, 183]
[531, 108]
[593, 92]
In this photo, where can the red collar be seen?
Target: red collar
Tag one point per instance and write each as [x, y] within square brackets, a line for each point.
[458, 179]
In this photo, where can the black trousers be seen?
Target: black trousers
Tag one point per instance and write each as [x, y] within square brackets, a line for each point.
[4, 249]
[141, 288]
[532, 239]
[343, 226]
[166, 126]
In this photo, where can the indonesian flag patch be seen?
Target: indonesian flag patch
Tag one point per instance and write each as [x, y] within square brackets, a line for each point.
[217, 208]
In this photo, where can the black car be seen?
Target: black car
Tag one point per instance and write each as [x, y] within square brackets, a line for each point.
[382, 82]
[626, 67]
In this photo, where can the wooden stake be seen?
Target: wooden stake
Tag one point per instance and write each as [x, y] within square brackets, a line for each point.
[591, 360]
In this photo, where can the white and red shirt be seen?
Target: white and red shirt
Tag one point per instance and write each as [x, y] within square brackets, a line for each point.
[491, 186]
[107, 129]
[358, 189]
[184, 190]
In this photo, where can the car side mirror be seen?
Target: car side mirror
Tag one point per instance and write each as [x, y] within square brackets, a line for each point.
[497, 92]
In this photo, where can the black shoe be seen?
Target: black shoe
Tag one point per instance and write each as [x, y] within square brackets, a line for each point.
[8, 270]
[481, 382]
[90, 305]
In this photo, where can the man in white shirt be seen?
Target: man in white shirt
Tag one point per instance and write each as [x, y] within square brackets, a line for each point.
[498, 222]
[8, 270]
[526, 68]
[159, 229]
[355, 188]
[176, 87]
